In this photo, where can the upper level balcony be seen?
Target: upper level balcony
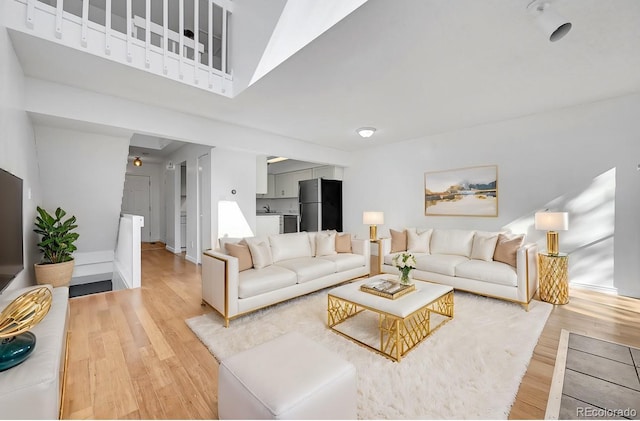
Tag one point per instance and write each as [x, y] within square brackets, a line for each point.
[185, 40]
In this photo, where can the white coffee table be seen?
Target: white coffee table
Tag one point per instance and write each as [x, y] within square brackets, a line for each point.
[403, 323]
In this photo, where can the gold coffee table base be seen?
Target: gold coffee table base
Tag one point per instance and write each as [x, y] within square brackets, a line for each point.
[398, 335]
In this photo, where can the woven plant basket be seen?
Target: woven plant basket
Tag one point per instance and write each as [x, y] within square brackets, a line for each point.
[54, 274]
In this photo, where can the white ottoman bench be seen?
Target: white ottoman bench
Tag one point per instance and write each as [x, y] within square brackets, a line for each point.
[290, 377]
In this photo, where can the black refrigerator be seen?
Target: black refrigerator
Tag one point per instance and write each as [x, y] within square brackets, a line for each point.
[320, 204]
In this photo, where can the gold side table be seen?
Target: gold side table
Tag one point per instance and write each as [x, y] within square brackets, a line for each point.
[554, 279]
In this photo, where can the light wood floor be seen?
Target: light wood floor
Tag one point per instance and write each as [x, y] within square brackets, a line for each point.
[131, 355]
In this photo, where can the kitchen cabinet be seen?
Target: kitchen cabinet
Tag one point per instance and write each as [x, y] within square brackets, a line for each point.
[286, 184]
[267, 225]
[271, 188]
[261, 175]
[329, 172]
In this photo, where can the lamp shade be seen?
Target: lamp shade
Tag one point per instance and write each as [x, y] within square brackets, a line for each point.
[552, 221]
[373, 218]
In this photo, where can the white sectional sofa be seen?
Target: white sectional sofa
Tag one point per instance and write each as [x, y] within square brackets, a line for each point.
[493, 264]
[281, 267]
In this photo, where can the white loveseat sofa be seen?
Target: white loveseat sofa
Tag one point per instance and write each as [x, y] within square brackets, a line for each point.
[282, 267]
[492, 264]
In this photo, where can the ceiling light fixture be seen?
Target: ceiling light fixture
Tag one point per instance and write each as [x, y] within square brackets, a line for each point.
[551, 23]
[137, 162]
[366, 131]
[276, 159]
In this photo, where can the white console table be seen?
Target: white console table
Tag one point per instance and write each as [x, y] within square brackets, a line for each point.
[34, 389]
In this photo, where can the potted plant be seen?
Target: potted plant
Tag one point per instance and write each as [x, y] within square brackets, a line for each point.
[57, 246]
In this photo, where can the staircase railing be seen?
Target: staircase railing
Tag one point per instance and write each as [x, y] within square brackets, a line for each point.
[182, 39]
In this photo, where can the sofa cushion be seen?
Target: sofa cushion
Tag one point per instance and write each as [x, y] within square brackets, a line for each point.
[398, 240]
[228, 240]
[343, 243]
[439, 263]
[484, 245]
[309, 268]
[418, 242]
[242, 253]
[290, 246]
[493, 272]
[458, 242]
[507, 248]
[325, 243]
[260, 252]
[345, 261]
[254, 282]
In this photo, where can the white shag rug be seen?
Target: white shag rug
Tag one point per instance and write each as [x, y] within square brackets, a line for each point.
[470, 368]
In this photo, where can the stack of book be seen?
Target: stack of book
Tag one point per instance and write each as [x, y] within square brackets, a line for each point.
[387, 288]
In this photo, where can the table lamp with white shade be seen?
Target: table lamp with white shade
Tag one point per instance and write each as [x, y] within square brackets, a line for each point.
[373, 219]
[552, 222]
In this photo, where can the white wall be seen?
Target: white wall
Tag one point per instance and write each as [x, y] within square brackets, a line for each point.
[232, 170]
[157, 221]
[582, 159]
[18, 151]
[56, 100]
[83, 173]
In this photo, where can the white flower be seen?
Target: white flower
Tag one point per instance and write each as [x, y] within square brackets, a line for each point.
[404, 260]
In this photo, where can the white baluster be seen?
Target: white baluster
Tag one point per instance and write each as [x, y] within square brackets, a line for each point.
[107, 28]
[129, 29]
[223, 40]
[147, 34]
[181, 36]
[85, 19]
[196, 44]
[31, 6]
[59, 11]
[210, 16]
[165, 36]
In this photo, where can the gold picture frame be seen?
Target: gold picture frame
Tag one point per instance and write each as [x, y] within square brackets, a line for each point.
[470, 191]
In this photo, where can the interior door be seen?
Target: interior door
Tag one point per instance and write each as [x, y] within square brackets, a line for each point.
[136, 200]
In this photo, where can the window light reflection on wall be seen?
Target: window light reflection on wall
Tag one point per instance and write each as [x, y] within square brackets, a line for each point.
[231, 220]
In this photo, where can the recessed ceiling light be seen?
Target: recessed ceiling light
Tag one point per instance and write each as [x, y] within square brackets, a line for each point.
[366, 131]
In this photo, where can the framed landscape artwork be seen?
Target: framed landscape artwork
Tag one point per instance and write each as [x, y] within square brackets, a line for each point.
[469, 191]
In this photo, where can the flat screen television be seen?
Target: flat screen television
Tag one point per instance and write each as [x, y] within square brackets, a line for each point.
[11, 255]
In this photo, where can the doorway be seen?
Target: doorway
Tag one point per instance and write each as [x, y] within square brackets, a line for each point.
[136, 200]
[204, 205]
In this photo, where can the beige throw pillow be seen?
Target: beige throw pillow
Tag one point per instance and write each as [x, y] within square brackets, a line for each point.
[506, 249]
[325, 244]
[242, 253]
[260, 253]
[484, 245]
[418, 243]
[343, 243]
[398, 241]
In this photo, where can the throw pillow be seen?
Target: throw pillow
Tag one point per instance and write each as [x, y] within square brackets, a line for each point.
[398, 241]
[343, 243]
[260, 253]
[418, 243]
[484, 245]
[507, 248]
[242, 253]
[325, 243]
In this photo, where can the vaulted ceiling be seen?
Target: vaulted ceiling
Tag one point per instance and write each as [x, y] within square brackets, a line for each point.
[410, 68]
